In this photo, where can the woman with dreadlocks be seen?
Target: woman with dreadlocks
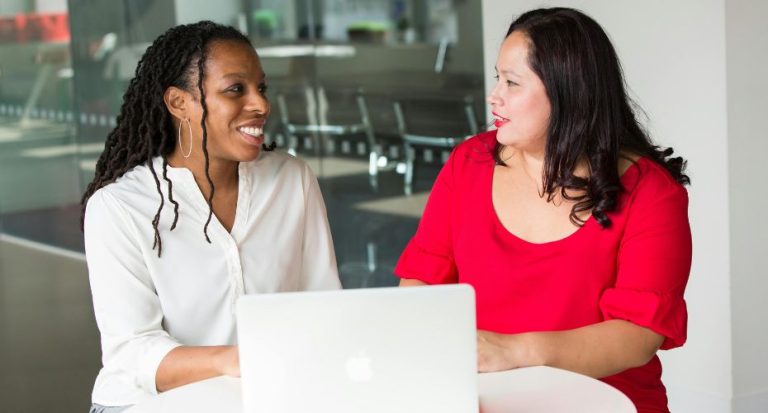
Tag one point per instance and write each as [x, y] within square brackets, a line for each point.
[190, 210]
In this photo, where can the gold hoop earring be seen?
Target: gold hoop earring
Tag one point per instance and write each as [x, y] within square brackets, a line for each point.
[189, 125]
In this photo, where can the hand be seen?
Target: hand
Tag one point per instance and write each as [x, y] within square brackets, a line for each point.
[228, 361]
[495, 352]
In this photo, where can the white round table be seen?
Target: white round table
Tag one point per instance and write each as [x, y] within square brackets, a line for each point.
[546, 389]
[532, 389]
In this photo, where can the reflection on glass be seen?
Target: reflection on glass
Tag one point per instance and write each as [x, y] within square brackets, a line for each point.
[336, 70]
[384, 52]
[38, 175]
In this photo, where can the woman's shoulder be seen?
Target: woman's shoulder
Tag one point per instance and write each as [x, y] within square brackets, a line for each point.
[278, 165]
[482, 143]
[134, 194]
[136, 182]
[112, 203]
[476, 150]
[647, 180]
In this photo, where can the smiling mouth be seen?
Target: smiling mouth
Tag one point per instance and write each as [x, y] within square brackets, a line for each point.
[252, 134]
[498, 120]
[254, 131]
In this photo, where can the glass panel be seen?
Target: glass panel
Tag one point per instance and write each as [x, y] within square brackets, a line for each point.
[39, 185]
[340, 65]
[368, 55]
[335, 63]
[108, 39]
[44, 295]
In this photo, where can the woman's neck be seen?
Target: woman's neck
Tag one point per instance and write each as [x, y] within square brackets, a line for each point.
[223, 173]
[532, 163]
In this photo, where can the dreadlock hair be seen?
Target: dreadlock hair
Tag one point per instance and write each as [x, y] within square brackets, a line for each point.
[592, 118]
[145, 128]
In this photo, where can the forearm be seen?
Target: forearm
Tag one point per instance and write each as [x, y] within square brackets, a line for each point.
[597, 350]
[188, 364]
[409, 282]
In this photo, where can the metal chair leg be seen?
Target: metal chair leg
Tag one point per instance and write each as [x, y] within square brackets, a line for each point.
[373, 170]
[410, 156]
[373, 156]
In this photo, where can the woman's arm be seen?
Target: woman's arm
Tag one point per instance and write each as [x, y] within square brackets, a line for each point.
[186, 364]
[129, 312]
[409, 282]
[598, 350]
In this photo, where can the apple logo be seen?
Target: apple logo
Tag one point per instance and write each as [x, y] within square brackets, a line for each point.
[359, 367]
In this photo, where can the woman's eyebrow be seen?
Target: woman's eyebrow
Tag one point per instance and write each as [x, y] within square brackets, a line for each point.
[510, 71]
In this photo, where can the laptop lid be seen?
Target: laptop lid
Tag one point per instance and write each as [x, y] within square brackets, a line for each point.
[379, 350]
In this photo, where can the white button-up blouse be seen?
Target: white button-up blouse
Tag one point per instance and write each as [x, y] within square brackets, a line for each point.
[146, 305]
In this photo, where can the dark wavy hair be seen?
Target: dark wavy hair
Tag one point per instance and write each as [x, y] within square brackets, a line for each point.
[592, 119]
[145, 127]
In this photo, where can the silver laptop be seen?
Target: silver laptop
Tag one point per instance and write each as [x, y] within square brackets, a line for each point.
[379, 350]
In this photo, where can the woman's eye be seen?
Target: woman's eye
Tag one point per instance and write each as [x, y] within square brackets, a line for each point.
[236, 89]
[508, 82]
[262, 88]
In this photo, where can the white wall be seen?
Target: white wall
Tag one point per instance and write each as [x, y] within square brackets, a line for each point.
[9, 8]
[747, 63]
[50, 6]
[674, 58]
[191, 11]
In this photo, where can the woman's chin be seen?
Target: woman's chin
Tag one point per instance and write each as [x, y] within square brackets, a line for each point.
[508, 137]
[505, 136]
[252, 155]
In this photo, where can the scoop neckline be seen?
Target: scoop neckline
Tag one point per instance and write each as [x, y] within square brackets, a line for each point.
[589, 222]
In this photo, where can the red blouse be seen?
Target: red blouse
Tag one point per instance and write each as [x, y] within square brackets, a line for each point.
[635, 270]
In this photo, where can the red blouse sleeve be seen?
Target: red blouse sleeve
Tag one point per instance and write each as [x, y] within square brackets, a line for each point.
[428, 257]
[654, 259]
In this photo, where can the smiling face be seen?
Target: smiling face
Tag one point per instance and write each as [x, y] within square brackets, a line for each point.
[519, 101]
[234, 85]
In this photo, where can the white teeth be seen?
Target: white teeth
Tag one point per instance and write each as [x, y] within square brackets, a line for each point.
[250, 130]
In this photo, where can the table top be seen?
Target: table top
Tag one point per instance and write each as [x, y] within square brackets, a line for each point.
[531, 389]
[546, 389]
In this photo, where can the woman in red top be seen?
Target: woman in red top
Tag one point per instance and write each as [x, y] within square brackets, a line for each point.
[569, 223]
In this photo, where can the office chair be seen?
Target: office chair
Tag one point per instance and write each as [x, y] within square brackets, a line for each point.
[438, 121]
[328, 112]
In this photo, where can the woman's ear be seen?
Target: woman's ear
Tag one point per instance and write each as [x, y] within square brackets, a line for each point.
[176, 102]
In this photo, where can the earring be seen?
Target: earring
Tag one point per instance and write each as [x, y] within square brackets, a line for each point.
[189, 125]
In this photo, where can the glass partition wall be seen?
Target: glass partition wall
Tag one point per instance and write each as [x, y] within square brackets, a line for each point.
[344, 63]
[347, 80]
[38, 171]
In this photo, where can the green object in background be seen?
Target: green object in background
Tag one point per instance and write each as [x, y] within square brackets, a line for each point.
[265, 21]
[369, 26]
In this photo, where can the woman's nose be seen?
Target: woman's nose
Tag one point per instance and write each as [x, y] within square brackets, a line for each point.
[258, 102]
[493, 98]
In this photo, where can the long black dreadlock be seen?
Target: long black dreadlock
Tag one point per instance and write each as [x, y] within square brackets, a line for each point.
[145, 128]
